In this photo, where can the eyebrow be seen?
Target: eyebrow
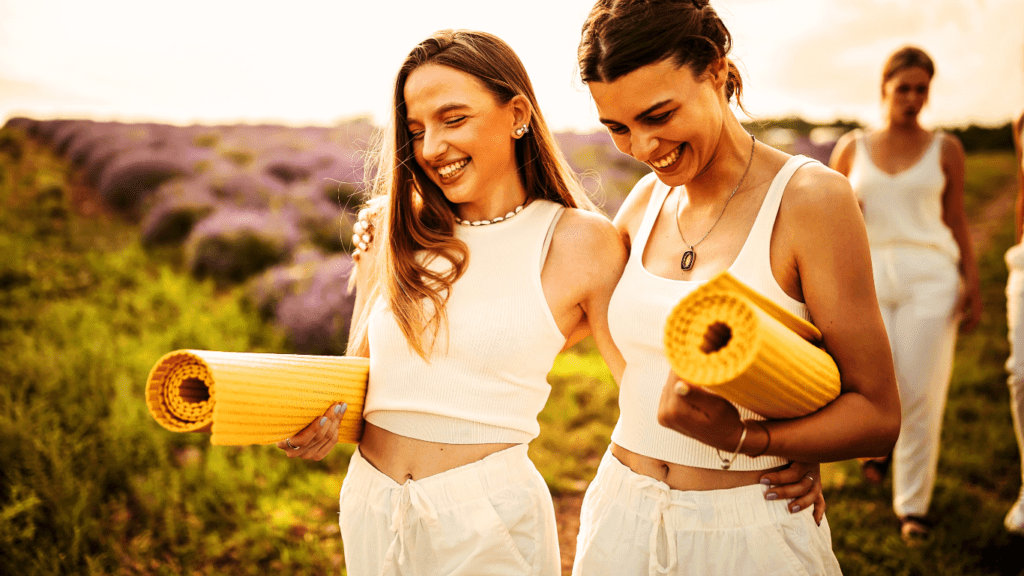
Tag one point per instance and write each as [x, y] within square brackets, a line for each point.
[441, 111]
[639, 116]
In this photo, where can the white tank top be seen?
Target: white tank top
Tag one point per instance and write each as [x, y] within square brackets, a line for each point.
[636, 317]
[486, 380]
[904, 208]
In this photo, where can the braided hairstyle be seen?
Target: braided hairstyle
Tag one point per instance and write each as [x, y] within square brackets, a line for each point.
[620, 36]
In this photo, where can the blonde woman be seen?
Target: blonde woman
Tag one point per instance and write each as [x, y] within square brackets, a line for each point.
[910, 184]
[471, 289]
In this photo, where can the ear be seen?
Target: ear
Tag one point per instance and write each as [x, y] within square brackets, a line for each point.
[719, 72]
[522, 113]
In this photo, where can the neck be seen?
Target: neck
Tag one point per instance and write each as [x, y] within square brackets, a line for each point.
[903, 126]
[492, 206]
[726, 167]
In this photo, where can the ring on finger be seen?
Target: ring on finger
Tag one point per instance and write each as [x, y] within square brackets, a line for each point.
[288, 441]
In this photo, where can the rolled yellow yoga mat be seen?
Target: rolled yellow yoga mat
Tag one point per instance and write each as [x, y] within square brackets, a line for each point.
[742, 346]
[250, 398]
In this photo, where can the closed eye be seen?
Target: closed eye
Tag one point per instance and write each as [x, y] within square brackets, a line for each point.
[616, 128]
[454, 121]
[660, 118]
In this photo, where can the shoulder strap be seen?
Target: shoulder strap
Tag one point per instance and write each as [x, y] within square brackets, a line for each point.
[654, 204]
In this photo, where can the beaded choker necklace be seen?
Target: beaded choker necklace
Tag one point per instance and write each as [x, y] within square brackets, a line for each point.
[495, 220]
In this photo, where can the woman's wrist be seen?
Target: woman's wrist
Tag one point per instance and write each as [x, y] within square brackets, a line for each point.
[759, 438]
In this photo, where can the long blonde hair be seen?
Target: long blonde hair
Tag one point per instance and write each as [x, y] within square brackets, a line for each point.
[416, 219]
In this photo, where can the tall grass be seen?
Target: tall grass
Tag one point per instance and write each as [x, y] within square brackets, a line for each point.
[88, 483]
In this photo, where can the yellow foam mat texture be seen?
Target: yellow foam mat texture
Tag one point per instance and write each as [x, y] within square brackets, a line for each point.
[250, 398]
[742, 346]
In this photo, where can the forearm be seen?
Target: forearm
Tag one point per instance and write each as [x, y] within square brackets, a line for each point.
[852, 426]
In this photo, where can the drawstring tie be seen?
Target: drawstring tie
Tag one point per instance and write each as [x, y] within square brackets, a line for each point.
[413, 497]
[659, 515]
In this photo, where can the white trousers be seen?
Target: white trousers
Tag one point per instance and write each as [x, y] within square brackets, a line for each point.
[633, 525]
[492, 517]
[1015, 363]
[918, 290]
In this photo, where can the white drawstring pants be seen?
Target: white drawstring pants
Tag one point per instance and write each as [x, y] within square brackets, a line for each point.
[492, 517]
[633, 525]
[918, 290]
[1015, 323]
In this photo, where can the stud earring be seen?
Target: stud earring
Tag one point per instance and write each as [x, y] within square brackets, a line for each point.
[522, 130]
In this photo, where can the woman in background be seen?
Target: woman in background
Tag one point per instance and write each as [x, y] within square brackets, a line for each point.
[1015, 321]
[910, 185]
[681, 489]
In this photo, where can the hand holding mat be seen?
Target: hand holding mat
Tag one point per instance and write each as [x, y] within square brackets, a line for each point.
[249, 398]
[749, 350]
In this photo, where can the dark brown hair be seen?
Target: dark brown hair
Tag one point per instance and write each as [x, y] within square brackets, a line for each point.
[620, 36]
[907, 57]
[417, 222]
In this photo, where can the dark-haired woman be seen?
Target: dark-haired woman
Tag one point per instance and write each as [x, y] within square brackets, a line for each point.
[910, 184]
[681, 489]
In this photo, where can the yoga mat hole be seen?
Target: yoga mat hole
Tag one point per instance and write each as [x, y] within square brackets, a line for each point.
[716, 337]
[194, 391]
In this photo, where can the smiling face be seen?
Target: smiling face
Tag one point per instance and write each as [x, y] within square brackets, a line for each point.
[905, 93]
[663, 116]
[462, 136]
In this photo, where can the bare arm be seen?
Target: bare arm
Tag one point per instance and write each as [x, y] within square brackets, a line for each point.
[834, 265]
[580, 273]
[842, 155]
[955, 217]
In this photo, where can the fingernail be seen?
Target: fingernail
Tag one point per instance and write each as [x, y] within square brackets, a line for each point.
[771, 496]
[344, 406]
[766, 482]
[323, 420]
[337, 408]
[795, 508]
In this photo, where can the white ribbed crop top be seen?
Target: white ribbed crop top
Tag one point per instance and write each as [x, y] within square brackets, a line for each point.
[904, 208]
[636, 317]
[487, 380]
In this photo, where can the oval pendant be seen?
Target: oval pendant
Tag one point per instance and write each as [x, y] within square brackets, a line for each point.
[687, 262]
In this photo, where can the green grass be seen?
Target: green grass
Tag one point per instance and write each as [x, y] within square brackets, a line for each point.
[90, 484]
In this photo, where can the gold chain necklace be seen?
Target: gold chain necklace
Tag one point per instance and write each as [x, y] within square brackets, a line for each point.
[689, 257]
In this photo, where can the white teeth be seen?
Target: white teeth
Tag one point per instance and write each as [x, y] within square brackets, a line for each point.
[668, 159]
[450, 169]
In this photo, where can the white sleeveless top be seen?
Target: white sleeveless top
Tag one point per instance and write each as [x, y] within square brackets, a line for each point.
[636, 317]
[904, 208]
[486, 380]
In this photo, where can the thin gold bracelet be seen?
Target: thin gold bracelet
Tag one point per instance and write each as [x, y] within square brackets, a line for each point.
[767, 433]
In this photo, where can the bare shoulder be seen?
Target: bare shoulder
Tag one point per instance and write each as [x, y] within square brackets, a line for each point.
[843, 152]
[953, 155]
[586, 232]
[631, 213]
[817, 195]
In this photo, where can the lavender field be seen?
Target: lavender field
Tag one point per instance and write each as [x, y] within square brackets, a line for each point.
[119, 242]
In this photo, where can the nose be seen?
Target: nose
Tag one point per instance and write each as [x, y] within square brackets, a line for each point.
[434, 146]
[642, 145]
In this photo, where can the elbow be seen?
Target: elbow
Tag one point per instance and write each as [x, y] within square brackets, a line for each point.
[888, 433]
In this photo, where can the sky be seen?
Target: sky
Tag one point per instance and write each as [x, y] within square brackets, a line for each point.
[321, 61]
